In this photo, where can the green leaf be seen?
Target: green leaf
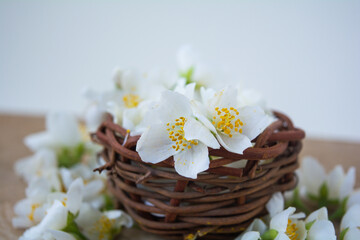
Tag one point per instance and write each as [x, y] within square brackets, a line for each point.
[109, 203]
[72, 228]
[188, 75]
[297, 202]
[269, 234]
[343, 233]
[68, 157]
[340, 211]
[309, 225]
[114, 232]
[323, 196]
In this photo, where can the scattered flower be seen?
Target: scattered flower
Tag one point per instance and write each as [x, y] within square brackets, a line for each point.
[101, 225]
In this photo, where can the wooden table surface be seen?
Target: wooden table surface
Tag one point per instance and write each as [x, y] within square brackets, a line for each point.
[14, 128]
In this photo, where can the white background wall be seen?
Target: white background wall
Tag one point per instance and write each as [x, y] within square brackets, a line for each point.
[304, 56]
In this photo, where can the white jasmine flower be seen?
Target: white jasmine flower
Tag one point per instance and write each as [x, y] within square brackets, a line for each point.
[352, 234]
[39, 197]
[254, 231]
[313, 175]
[320, 214]
[354, 198]
[234, 127]
[42, 164]
[137, 92]
[177, 133]
[94, 183]
[276, 204]
[192, 69]
[30, 211]
[288, 227]
[351, 219]
[55, 219]
[321, 229]
[340, 185]
[101, 225]
[62, 130]
[94, 113]
[133, 118]
[56, 216]
[350, 223]
[320, 226]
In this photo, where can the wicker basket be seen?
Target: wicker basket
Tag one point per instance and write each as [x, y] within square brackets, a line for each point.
[220, 203]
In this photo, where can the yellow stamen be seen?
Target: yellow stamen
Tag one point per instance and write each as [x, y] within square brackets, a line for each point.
[104, 226]
[226, 121]
[33, 208]
[177, 135]
[291, 230]
[131, 100]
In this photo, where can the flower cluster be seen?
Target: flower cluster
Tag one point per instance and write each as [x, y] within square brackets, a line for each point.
[64, 198]
[178, 115]
[333, 193]
[182, 118]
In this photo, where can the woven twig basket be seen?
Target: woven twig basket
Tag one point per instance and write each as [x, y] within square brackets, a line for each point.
[220, 203]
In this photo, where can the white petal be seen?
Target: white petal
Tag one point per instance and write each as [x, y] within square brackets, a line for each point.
[66, 177]
[131, 118]
[224, 99]
[38, 189]
[352, 234]
[63, 127]
[87, 216]
[155, 145]
[322, 229]
[334, 181]
[195, 130]
[348, 184]
[93, 188]
[60, 235]
[185, 89]
[207, 96]
[298, 215]
[172, 106]
[276, 204]
[282, 236]
[279, 222]
[257, 225]
[93, 117]
[313, 175]
[251, 236]
[75, 195]
[301, 230]
[250, 97]
[97, 202]
[186, 58]
[351, 218]
[121, 217]
[320, 214]
[21, 222]
[353, 199]
[116, 110]
[56, 217]
[255, 121]
[237, 143]
[39, 140]
[202, 114]
[190, 162]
